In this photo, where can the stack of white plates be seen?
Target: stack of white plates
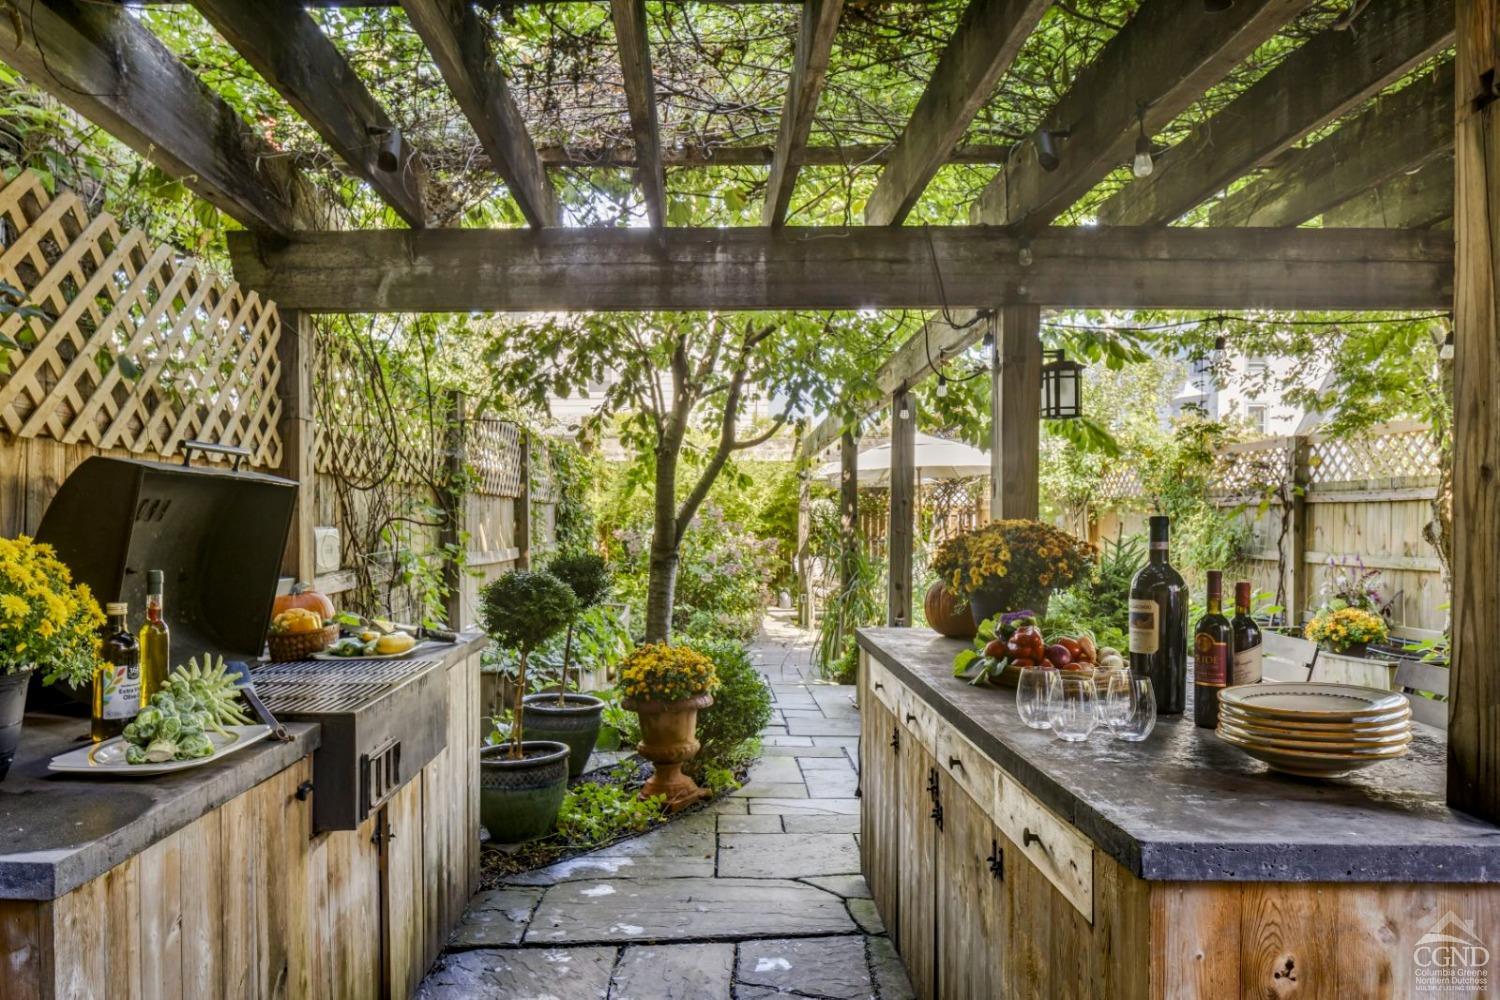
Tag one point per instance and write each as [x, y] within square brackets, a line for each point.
[1315, 729]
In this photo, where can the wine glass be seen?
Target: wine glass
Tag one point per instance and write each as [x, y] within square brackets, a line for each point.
[1129, 706]
[1073, 708]
[1104, 678]
[1033, 689]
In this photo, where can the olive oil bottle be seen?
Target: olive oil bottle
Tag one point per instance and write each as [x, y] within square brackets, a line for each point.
[117, 677]
[155, 640]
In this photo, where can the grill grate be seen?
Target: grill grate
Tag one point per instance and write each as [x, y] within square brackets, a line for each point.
[310, 686]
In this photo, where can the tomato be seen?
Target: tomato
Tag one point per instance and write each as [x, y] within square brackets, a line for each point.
[995, 649]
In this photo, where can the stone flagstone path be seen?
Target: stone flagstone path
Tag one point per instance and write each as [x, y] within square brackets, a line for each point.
[759, 898]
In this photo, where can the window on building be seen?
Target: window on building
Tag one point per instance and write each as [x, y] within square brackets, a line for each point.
[1259, 415]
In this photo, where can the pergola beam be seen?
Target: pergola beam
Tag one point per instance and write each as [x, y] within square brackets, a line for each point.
[1410, 201]
[820, 22]
[1164, 59]
[987, 41]
[282, 42]
[640, 95]
[846, 268]
[101, 62]
[459, 41]
[1331, 74]
[1398, 134]
[847, 155]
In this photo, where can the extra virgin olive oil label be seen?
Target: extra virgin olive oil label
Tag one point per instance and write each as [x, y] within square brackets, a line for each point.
[1210, 661]
[1145, 631]
[122, 695]
[1246, 666]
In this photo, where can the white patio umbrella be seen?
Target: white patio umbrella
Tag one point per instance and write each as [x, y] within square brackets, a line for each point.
[937, 458]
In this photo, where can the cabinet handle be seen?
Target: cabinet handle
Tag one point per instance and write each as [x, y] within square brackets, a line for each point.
[954, 762]
[910, 718]
[304, 790]
[996, 860]
[879, 686]
[1028, 838]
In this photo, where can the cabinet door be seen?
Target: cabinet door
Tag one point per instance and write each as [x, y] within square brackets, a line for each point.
[916, 890]
[973, 906]
[879, 842]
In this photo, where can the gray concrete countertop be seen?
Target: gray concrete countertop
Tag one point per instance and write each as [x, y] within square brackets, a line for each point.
[1185, 806]
[59, 831]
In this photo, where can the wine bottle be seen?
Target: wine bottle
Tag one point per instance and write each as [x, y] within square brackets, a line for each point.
[1247, 639]
[1211, 645]
[117, 676]
[1158, 625]
[155, 640]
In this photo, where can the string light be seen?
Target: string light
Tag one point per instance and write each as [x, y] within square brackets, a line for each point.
[1143, 164]
[942, 386]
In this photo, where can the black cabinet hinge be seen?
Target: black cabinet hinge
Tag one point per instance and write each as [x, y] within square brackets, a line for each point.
[896, 738]
[935, 790]
[996, 860]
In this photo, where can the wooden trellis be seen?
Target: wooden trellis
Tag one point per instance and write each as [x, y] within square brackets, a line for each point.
[494, 454]
[199, 354]
[1395, 451]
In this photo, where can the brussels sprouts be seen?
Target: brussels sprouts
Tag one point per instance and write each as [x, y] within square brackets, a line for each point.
[146, 721]
[196, 745]
[192, 724]
[170, 728]
[131, 733]
[160, 751]
[135, 754]
[164, 701]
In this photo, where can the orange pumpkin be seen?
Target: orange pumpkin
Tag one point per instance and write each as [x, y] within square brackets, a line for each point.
[303, 596]
[947, 614]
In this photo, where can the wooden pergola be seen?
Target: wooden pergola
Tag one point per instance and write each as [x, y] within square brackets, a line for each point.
[1382, 172]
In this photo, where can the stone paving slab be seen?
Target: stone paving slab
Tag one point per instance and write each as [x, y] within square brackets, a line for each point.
[750, 824]
[520, 974]
[801, 751]
[818, 724]
[805, 807]
[775, 739]
[674, 972]
[836, 761]
[848, 886]
[496, 917]
[891, 981]
[588, 867]
[771, 790]
[787, 855]
[776, 769]
[831, 784]
[836, 823]
[829, 967]
[866, 915]
[679, 909]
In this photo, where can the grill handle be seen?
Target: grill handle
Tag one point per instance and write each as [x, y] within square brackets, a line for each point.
[188, 447]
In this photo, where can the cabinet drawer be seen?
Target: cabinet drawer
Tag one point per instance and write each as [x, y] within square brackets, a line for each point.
[918, 718]
[885, 688]
[1061, 853]
[967, 766]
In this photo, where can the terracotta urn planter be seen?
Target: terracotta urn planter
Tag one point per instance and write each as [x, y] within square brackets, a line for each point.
[669, 740]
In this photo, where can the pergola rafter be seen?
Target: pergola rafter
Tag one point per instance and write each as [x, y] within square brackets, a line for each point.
[640, 94]
[1330, 75]
[1416, 200]
[820, 22]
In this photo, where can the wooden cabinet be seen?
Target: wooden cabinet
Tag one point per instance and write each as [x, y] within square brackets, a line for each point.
[973, 904]
[879, 841]
[917, 887]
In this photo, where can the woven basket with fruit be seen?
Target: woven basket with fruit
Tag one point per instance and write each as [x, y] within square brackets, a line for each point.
[298, 633]
[1012, 642]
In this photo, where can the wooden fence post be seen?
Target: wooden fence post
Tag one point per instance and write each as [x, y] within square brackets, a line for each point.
[1297, 593]
[848, 509]
[1474, 722]
[294, 352]
[453, 502]
[901, 535]
[804, 560]
[523, 506]
[1015, 412]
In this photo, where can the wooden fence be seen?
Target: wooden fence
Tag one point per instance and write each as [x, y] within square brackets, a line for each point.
[133, 349]
[1312, 499]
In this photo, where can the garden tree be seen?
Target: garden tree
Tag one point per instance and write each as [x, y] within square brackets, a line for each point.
[682, 381]
[520, 611]
[588, 578]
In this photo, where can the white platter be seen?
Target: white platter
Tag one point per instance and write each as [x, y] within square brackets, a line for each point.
[109, 757]
[1312, 701]
[405, 655]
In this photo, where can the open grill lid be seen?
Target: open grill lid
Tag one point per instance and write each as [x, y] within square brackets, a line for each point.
[217, 534]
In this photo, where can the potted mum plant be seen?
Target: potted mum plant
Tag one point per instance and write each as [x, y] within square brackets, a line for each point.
[566, 716]
[47, 624]
[1346, 630]
[522, 782]
[1011, 565]
[666, 686]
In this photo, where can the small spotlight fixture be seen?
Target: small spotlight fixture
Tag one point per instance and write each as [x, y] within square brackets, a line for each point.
[1062, 388]
[387, 141]
[1143, 164]
[1046, 147]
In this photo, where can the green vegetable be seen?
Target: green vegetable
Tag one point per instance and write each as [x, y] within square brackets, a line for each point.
[146, 721]
[161, 751]
[196, 745]
[135, 754]
[164, 701]
[172, 726]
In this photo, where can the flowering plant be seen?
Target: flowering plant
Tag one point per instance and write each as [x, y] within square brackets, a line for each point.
[1344, 627]
[658, 671]
[1018, 562]
[46, 620]
[1348, 584]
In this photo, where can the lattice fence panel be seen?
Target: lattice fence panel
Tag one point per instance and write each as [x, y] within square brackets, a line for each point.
[203, 350]
[494, 452]
[1397, 452]
[1252, 471]
[1120, 483]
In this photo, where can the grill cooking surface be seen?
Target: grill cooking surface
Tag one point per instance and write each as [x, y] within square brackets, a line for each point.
[308, 686]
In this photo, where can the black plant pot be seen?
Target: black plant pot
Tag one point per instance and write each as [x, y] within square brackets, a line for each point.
[12, 708]
[519, 799]
[575, 722]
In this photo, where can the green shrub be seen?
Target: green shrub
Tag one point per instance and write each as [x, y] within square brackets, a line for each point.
[586, 575]
[523, 609]
[594, 814]
[741, 708]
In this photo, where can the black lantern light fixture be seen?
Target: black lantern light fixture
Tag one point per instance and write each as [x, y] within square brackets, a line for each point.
[1062, 388]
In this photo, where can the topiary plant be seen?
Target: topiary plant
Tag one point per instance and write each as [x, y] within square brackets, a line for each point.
[741, 708]
[521, 610]
[587, 577]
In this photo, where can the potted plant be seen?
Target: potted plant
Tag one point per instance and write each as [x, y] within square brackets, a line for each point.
[666, 686]
[566, 716]
[47, 623]
[1011, 565]
[1346, 630]
[522, 782]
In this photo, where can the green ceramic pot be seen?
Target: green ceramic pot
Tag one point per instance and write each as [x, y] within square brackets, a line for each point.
[519, 799]
[575, 722]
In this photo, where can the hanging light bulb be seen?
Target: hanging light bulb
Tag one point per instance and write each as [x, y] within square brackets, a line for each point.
[1446, 351]
[1143, 164]
[1220, 350]
[905, 412]
[942, 386]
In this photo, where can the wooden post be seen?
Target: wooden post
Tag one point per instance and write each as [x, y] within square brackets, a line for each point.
[523, 506]
[294, 353]
[848, 509]
[901, 535]
[1296, 540]
[1015, 411]
[1474, 722]
[452, 504]
[804, 561]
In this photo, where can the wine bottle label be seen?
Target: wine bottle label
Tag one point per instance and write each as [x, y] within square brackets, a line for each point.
[123, 697]
[1247, 666]
[1145, 633]
[1210, 661]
